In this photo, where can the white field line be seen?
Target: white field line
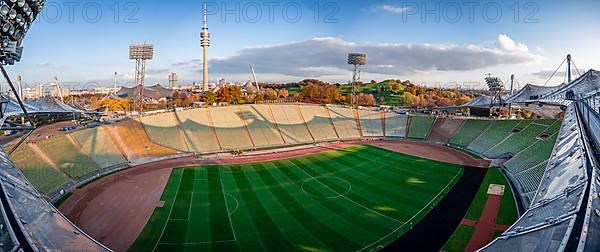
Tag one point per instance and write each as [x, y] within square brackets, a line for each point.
[237, 204]
[409, 220]
[227, 208]
[345, 197]
[196, 243]
[170, 211]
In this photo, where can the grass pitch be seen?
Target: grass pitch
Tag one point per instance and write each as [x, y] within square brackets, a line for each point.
[358, 198]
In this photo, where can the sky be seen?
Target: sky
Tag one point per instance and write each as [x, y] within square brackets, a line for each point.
[434, 43]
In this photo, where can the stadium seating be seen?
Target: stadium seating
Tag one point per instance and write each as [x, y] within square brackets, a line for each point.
[131, 139]
[444, 129]
[261, 126]
[198, 131]
[164, 129]
[531, 156]
[420, 126]
[68, 157]
[292, 125]
[469, 131]
[494, 134]
[395, 124]
[344, 122]
[319, 123]
[370, 123]
[98, 145]
[554, 128]
[230, 128]
[516, 142]
[530, 179]
[40, 173]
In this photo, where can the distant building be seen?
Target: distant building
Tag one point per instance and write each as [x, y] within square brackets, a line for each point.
[95, 91]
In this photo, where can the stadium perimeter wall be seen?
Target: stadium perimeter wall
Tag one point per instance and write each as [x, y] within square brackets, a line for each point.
[250, 127]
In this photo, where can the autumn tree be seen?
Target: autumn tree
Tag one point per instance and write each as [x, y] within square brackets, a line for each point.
[229, 94]
[111, 104]
[209, 98]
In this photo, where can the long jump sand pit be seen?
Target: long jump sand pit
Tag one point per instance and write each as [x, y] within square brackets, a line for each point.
[115, 209]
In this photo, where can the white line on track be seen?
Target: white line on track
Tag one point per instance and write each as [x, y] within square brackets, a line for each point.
[415, 215]
[170, 211]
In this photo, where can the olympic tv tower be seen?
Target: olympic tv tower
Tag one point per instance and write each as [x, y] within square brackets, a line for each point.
[205, 36]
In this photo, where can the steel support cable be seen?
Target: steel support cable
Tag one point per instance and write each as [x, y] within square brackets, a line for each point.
[18, 98]
[576, 68]
[555, 71]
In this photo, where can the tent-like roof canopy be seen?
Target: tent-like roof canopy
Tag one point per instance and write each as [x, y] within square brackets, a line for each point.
[531, 92]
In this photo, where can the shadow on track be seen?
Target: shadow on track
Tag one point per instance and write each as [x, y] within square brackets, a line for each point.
[431, 233]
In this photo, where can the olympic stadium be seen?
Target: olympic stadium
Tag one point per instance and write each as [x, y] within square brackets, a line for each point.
[298, 176]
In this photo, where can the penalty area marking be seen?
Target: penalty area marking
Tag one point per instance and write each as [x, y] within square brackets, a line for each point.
[169, 216]
[227, 207]
[237, 203]
[411, 218]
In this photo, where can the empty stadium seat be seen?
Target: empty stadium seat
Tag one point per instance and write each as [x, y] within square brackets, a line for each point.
[395, 124]
[261, 125]
[98, 145]
[230, 128]
[420, 126]
[319, 123]
[290, 122]
[164, 129]
[370, 123]
[516, 142]
[131, 139]
[344, 122]
[198, 130]
[444, 129]
[67, 157]
[43, 176]
[469, 131]
[493, 135]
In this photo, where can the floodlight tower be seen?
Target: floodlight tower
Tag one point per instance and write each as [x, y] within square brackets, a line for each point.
[205, 43]
[140, 53]
[495, 86]
[357, 60]
[16, 16]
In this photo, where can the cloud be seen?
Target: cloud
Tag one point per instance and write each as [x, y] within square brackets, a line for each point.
[326, 57]
[545, 74]
[189, 63]
[390, 9]
[45, 63]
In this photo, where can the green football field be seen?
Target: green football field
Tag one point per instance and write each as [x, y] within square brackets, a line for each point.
[354, 199]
